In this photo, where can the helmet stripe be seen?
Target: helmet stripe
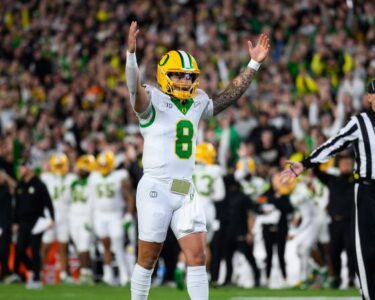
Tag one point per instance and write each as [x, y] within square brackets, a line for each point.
[185, 60]
[182, 60]
[190, 60]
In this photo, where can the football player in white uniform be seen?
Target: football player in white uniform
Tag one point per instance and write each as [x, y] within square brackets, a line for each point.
[79, 216]
[58, 182]
[245, 174]
[169, 118]
[111, 195]
[307, 231]
[209, 183]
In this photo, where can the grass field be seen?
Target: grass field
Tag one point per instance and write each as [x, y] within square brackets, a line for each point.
[18, 292]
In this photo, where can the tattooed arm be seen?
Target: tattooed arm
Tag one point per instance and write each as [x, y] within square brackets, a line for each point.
[233, 91]
[241, 82]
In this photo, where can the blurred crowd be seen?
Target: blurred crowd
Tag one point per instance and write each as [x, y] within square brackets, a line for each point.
[62, 63]
[62, 81]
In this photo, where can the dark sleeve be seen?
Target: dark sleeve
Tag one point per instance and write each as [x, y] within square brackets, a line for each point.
[16, 208]
[47, 202]
[323, 176]
[136, 173]
[346, 136]
[288, 206]
[249, 204]
[283, 204]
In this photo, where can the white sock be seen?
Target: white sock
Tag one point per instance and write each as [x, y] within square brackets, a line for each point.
[197, 283]
[63, 275]
[108, 273]
[86, 271]
[140, 283]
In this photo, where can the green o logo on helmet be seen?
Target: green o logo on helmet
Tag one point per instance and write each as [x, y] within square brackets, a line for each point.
[162, 63]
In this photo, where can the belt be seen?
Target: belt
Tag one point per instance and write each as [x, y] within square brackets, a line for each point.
[180, 186]
[177, 186]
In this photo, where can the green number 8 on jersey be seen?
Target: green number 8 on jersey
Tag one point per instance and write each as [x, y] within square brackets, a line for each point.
[184, 139]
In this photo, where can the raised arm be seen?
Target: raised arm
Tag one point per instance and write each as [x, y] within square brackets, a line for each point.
[138, 96]
[346, 136]
[242, 81]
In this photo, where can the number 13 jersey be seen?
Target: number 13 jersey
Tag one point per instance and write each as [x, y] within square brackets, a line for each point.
[170, 134]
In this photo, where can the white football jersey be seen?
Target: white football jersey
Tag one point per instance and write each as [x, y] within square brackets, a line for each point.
[300, 198]
[320, 200]
[106, 191]
[170, 134]
[79, 200]
[59, 189]
[254, 187]
[208, 181]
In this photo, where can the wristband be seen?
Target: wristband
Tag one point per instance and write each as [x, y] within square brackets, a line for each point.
[131, 59]
[253, 64]
[294, 172]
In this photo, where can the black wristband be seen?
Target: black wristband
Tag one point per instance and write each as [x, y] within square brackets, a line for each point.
[294, 172]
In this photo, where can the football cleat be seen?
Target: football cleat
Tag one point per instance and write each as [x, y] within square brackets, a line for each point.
[34, 285]
[182, 64]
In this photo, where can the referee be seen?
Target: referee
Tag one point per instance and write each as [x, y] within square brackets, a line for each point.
[359, 132]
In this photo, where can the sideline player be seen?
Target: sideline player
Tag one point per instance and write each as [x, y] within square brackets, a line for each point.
[111, 196]
[209, 183]
[169, 118]
[79, 216]
[58, 182]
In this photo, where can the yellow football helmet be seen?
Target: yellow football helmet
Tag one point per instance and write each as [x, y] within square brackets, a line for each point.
[206, 153]
[59, 164]
[177, 61]
[250, 165]
[86, 163]
[105, 162]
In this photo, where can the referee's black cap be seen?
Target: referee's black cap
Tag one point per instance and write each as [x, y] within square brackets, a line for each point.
[371, 87]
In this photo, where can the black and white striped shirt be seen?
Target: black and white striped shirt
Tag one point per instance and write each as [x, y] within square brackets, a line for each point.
[359, 132]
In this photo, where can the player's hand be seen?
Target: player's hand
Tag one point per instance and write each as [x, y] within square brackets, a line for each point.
[260, 52]
[132, 37]
[293, 170]
[131, 153]
[290, 237]
[127, 221]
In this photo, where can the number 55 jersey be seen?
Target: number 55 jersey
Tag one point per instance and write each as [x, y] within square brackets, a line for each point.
[106, 192]
[170, 134]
